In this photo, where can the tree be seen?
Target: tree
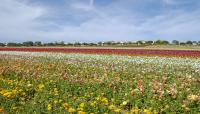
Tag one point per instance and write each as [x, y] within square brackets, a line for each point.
[85, 44]
[69, 44]
[198, 42]
[2, 45]
[100, 43]
[149, 42]
[182, 43]
[38, 43]
[158, 42]
[189, 42]
[28, 43]
[139, 42]
[77, 44]
[165, 42]
[62, 43]
[194, 42]
[161, 42]
[176, 42]
[92, 44]
[109, 43]
[49, 44]
[12, 44]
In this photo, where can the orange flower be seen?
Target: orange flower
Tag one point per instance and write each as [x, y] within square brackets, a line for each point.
[2, 110]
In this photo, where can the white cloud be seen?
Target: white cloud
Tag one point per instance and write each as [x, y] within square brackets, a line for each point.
[86, 6]
[21, 21]
[17, 19]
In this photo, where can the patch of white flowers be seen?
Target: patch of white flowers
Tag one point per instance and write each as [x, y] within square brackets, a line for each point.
[116, 59]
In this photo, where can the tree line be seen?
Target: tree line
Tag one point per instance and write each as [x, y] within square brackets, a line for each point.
[107, 43]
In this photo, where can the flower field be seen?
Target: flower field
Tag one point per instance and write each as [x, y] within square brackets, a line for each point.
[42, 82]
[131, 52]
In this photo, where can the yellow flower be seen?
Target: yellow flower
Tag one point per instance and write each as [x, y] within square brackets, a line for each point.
[155, 112]
[56, 91]
[30, 85]
[60, 101]
[146, 111]
[14, 108]
[81, 105]
[7, 94]
[41, 86]
[49, 107]
[81, 112]
[98, 98]
[112, 99]
[71, 110]
[104, 100]
[23, 93]
[117, 110]
[80, 108]
[111, 107]
[65, 105]
[93, 103]
[135, 110]
[10, 82]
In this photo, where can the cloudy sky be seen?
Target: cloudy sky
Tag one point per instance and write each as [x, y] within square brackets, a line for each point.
[99, 20]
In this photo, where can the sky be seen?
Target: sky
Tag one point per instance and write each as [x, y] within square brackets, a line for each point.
[99, 20]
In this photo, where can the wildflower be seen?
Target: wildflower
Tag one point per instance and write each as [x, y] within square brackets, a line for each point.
[155, 112]
[81, 112]
[80, 109]
[2, 110]
[60, 101]
[7, 94]
[49, 108]
[185, 107]
[192, 97]
[56, 91]
[10, 82]
[30, 85]
[125, 103]
[81, 105]
[104, 100]
[98, 98]
[117, 110]
[111, 107]
[65, 105]
[135, 110]
[14, 107]
[147, 111]
[41, 86]
[93, 103]
[132, 93]
[71, 110]
[55, 101]
[112, 99]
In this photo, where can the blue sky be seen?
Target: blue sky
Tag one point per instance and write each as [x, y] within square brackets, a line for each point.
[99, 20]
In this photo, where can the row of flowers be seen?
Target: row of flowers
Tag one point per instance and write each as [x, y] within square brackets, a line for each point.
[145, 52]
